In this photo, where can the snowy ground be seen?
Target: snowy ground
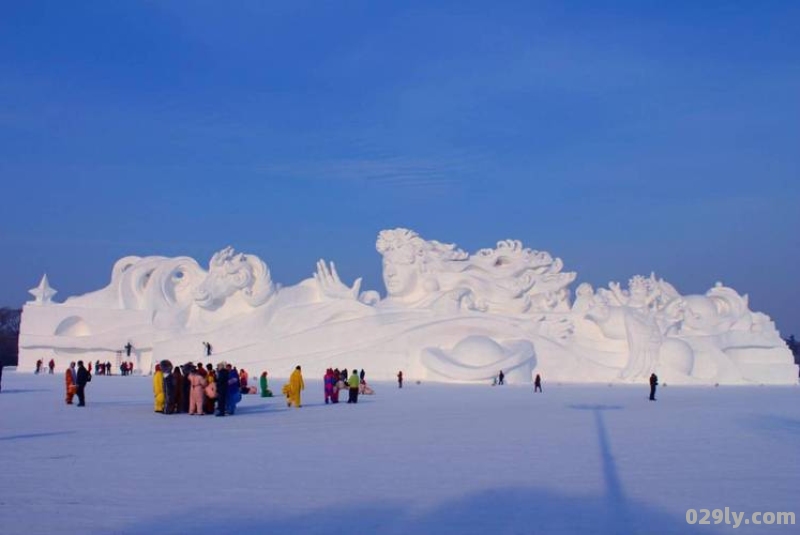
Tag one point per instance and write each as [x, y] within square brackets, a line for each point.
[425, 459]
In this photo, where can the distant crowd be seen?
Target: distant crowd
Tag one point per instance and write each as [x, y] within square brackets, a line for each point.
[100, 368]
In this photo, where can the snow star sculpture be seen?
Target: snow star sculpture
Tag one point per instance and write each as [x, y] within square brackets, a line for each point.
[447, 316]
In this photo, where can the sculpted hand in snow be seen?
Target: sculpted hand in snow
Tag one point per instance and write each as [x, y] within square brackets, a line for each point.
[330, 285]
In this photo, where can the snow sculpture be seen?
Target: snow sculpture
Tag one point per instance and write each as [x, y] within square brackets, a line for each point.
[234, 276]
[479, 358]
[447, 316]
[43, 293]
[507, 279]
[702, 337]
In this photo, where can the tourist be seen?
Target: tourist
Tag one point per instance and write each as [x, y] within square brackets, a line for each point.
[335, 388]
[169, 387]
[362, 374]
[400, 379]
[296, 385]
[243, 380]
[197, 386]
[158, 389]
[265, 393]
[82, 377]
[234, 389]
[188, 368]
[38, 366]
[537, 383]
[52, 366]
[210, 371]
[71, 378]
[329, 384]
[211, 390]
[353, 383]
[338, 385]
[501, 378]
[177, 380]
[653, 384]
[222, 389]
[363, 388]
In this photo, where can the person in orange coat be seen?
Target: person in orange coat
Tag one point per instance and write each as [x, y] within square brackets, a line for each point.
[296, 384]
[71, 377]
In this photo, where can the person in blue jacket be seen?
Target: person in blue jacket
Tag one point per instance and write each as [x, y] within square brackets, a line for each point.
[234, 389]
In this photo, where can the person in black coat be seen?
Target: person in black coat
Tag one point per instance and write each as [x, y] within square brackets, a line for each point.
[83, 377]
[653, 384]
[537, 383]
[222, 389]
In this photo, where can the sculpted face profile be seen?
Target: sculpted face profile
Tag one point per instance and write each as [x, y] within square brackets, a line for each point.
[412, 266]
[507, 279]
[402, 259]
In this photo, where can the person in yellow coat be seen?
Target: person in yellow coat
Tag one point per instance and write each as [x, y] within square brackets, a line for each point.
[296, 384]
[158, 389]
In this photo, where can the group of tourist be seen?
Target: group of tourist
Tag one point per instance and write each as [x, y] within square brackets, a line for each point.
[104, 368]
[76, 380]
[195, 389]
[336, 381]
[51, 366]
[500, 379]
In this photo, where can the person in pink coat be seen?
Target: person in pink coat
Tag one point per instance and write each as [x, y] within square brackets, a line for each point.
[196, 384]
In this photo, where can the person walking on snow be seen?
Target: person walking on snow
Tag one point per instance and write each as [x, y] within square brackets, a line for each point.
[537, 383]
[296, 385]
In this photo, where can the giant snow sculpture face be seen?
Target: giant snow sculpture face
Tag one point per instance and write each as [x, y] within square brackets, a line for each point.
[400, 276]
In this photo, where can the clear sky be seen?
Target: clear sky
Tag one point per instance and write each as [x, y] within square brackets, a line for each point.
[624, 137]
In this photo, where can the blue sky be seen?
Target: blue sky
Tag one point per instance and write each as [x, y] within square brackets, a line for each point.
[623, 137]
